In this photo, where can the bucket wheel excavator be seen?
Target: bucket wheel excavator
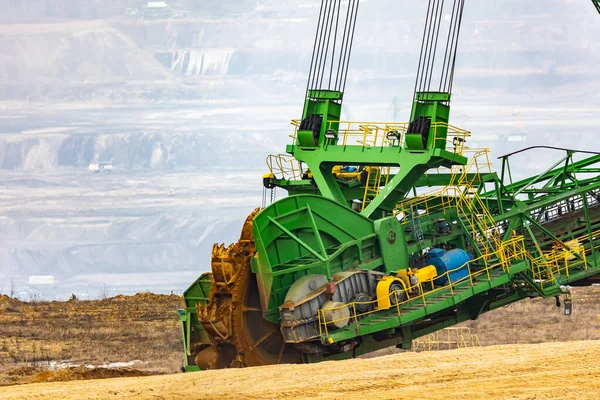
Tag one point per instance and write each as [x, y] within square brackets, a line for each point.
[390, 231]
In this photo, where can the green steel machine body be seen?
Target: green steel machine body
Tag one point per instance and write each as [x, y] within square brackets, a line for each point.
[363, 253]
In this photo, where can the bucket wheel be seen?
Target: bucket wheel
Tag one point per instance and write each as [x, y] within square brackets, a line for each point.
[239, 335]
[258, 342]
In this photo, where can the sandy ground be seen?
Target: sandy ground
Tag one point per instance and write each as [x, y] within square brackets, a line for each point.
[535, 371]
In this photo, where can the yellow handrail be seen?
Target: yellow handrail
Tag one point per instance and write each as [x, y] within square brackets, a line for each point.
[284, 166]
[544, 269]
[448, 338]
[451, 283]
[374, 183]
[386, 134]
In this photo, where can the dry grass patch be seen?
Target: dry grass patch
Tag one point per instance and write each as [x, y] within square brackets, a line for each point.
[143, 327]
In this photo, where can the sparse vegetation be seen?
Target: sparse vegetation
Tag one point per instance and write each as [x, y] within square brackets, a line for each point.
[145, 327]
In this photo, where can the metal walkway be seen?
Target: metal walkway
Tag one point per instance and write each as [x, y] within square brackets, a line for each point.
[511, 263]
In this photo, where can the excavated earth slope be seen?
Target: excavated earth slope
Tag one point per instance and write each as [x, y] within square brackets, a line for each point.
[534, 371]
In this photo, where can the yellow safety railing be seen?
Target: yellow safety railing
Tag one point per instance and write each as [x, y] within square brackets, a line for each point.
[432, 202]
[461, 195]
[512, 249]
[374, 183]
[446, 339]
[458, 186]
[544, 270]
[376, 134]
[472, 208]
[557, 262]
[296, 124]
[284, 166]
[370, 134]
[478, 160]
[483, 227]
[386, 134]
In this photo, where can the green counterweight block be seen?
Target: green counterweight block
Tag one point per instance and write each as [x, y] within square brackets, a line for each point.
[428, 126]
[322, 110]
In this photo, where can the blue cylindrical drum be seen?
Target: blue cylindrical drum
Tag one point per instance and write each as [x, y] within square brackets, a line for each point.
[456, 261]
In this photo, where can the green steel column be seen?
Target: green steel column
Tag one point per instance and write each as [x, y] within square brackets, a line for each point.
[589, 228]
[326, 182]
[412, 167]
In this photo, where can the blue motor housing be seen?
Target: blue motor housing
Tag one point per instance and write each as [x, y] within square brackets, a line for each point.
[456, 260]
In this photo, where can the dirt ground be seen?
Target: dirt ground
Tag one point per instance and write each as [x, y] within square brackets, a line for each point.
[567, 370]
[139, 335]
[139, 332]
[145, 328]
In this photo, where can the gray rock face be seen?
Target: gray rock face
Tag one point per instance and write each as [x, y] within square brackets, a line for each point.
[185, 102]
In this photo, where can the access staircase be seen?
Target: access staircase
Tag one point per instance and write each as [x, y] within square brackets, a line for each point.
[376, 178]
[472, 211]
[419, 307]
[498, 263]
[511, 263]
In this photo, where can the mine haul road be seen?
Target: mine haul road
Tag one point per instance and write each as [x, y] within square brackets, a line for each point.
[562, 370]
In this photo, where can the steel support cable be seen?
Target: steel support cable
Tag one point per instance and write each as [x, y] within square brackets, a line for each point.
[455, 39]
[320, 47]
[447, 57]
[317, 49]
[325, 26]
[453, 45]
[450, 49]
[432, 46]
[422, 51]
[429, 46]
[332, 21]
[337, 20]
[323, 66]
[325, 44]
[312, 60]
[322, 44]
[343, 45]
[347, 64]
[425, 44]
[456, 45]
[428, 25]
[424, 72]
[349, 42]
[437, 37]
[462, 5]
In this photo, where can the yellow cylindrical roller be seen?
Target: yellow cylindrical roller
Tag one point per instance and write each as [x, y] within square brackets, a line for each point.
[426, 274]
[337, 315]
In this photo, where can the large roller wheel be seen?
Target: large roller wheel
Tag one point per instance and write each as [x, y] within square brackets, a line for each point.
[258, 342]
[240, 337]
[400, 290]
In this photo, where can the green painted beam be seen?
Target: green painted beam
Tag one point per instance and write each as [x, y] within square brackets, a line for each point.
[572, 168]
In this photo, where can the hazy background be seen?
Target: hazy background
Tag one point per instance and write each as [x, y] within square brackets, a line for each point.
[187, 100]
